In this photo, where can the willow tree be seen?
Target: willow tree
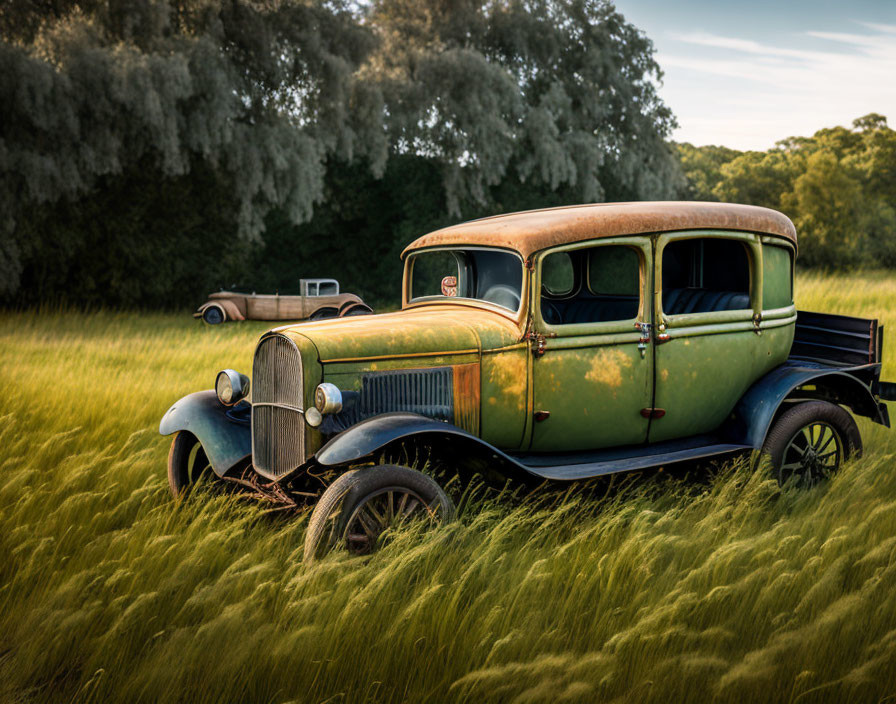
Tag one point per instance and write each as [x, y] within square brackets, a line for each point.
[141, 139]
[259, 94]
[557, 92]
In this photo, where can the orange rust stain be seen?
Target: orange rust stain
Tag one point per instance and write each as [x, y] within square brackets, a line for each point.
[538, 229]
[466, 397]
[664, 374]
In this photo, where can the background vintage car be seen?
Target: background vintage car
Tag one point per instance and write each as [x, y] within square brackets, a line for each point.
[319, 299]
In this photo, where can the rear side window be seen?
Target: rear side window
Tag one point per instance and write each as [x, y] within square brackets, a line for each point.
[705, 275]
[777, 277]
[557, 274]
[614, 270]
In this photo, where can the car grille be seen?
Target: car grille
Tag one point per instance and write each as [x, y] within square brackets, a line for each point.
[424, 391]
[278, 422]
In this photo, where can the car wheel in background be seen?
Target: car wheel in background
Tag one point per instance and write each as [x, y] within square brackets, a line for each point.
[355, 309]
[323, 314]
[358, 510]
[187, 463]
[213, 315]
[811, 441]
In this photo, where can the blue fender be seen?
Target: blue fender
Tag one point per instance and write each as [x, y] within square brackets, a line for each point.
[226, 441]
[753, 415]
[368, 436]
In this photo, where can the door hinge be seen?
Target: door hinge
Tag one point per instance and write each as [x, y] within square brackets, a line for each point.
[653, 412]
[537, 341]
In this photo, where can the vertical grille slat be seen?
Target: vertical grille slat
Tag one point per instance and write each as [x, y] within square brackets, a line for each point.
[278, 427]
[428, 392]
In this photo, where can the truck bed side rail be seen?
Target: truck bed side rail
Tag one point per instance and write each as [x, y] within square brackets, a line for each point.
[838, 340]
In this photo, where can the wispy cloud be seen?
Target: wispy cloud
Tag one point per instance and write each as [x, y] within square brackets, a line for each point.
[755, 87]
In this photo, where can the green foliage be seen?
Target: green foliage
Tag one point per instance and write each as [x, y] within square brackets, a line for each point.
[654, 590]
[838, 187]
[212, 120]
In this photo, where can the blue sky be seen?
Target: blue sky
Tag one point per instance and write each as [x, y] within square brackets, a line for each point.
[747, 74]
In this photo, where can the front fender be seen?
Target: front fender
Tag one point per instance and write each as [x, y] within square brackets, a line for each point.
[756, 410]
[226, 442]
[367, 437]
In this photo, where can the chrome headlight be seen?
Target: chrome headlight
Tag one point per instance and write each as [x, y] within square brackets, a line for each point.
[231, 387]
[328, 398]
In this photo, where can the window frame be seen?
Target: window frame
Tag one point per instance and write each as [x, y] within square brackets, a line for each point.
[788, 310]
[641, 244]
[408, 283]
[751, 242]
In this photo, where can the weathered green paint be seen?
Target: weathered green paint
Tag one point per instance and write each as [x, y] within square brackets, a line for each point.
[505, 396]
[711, 359]
[592, 377]
[700, 378]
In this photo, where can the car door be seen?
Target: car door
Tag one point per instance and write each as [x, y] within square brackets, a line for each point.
[592, 366]
[708, 343]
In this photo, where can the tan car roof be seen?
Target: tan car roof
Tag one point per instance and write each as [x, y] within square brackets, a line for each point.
[534, 230]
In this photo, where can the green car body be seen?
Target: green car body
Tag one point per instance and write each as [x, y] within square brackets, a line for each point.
[609, 337]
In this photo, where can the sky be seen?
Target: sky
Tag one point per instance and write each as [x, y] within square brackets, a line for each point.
[747, 74]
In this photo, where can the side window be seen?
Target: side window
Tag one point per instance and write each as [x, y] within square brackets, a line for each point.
[328, 288]
[777, 277]
[557, 274]
[312, 290]
[705, 275]
[595, 285]
[614, 270]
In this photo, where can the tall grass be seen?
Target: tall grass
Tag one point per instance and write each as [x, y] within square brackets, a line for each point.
[657, 589]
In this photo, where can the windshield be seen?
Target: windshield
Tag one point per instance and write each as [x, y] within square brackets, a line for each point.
[480, 274]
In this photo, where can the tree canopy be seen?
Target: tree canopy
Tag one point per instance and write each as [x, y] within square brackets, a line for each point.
[838, 186]
[146, 146]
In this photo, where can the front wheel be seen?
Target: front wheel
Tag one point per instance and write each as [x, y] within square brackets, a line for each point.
[187, 463]
[811, 441]
[361, 506]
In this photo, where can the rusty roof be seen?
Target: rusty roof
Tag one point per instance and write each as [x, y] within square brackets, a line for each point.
[534, 230]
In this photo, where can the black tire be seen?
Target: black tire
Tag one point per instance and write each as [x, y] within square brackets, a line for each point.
[811, 441]
[187, 464]
[213, 315]
[392, 492]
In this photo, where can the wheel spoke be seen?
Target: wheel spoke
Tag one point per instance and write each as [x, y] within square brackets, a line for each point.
[377, 516]
[411, 506]
[367, 522]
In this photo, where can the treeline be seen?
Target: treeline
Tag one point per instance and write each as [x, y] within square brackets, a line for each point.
[838, 186]
[152, 151]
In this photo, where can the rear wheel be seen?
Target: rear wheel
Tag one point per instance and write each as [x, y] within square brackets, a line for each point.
[811, 441]
[213, 315]
[362, 506]
[187, 463]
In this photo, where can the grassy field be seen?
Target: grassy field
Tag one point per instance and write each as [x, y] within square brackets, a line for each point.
[660, 590]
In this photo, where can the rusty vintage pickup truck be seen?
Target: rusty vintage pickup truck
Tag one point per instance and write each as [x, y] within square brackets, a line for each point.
[558, 344]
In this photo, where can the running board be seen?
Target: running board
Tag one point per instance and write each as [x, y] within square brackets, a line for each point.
[596, 464]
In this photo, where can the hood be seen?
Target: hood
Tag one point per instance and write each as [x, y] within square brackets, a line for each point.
[416, 331]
